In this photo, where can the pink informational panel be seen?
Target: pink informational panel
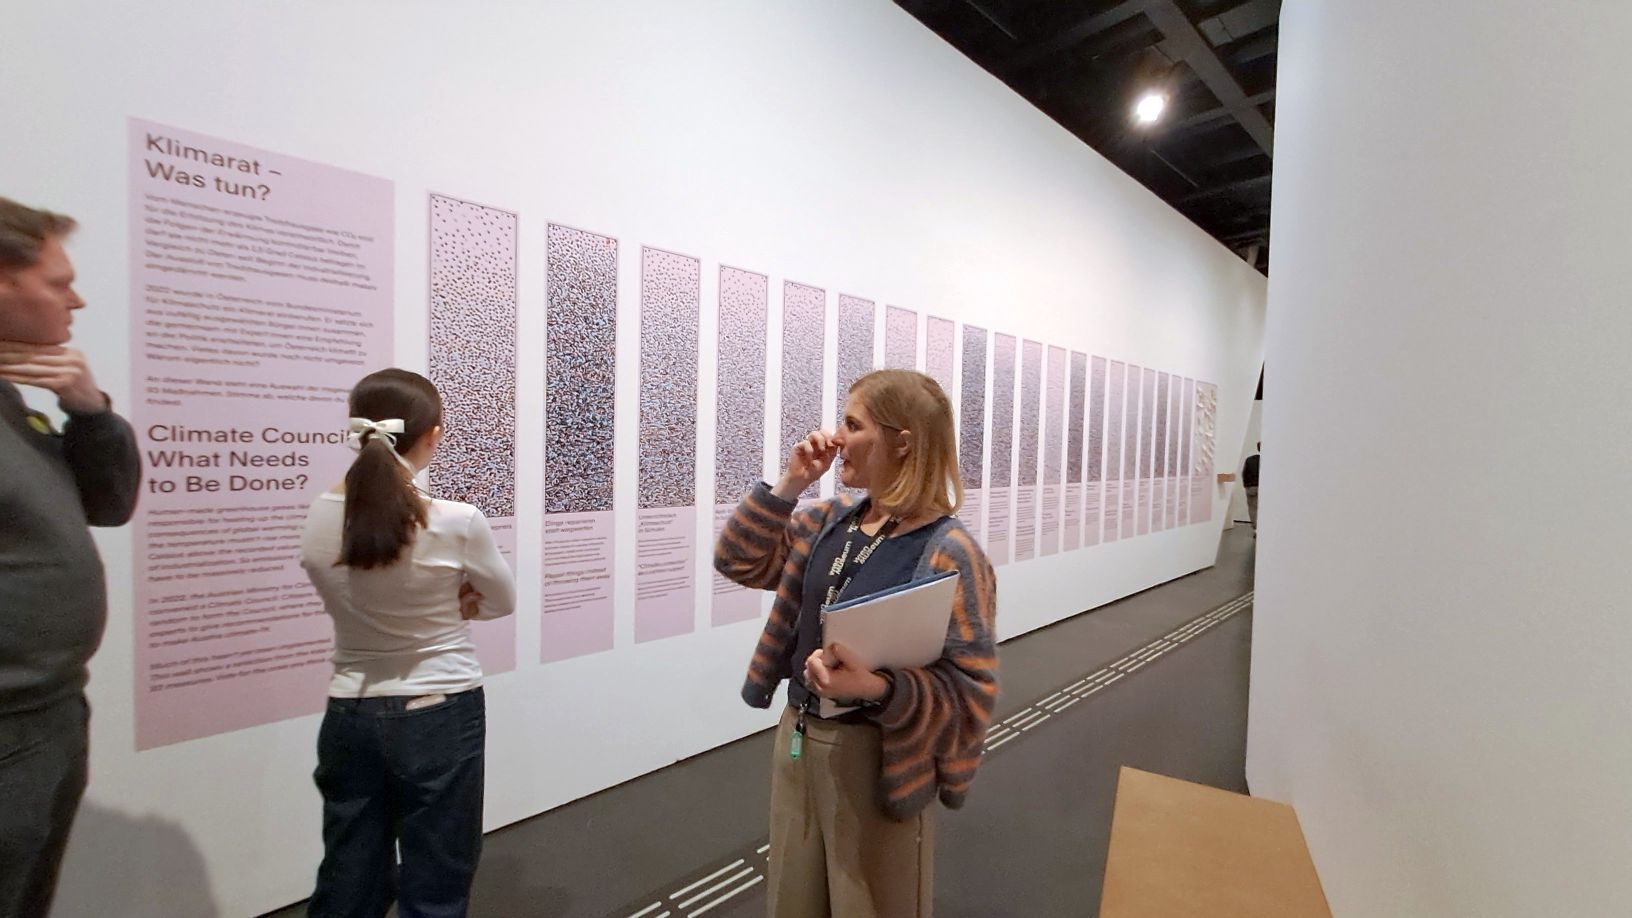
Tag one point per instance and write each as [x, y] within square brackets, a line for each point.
[261, 291]
[739, 426]
[804, 321]
[1071, 520]
[1116, 394]
[1000, 509]
[939, 345]
[1206, 442]
[580, 369]
[900, 338]
[1158, 480]
[972, 430]
[1026, 495]
[855, 359]
[1174, 413]
[1187, 421]
[1147, 450]
[1095, 501]
[666, 521]
[473, 364]
[1053, 444]
[1130, 453]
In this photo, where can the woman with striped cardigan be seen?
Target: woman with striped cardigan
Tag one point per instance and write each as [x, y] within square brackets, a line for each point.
[851, 829]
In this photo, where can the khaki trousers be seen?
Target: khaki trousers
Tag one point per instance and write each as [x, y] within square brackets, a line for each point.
[834, 854]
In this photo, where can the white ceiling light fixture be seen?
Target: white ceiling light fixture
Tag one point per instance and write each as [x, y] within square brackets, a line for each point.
[1149, 108]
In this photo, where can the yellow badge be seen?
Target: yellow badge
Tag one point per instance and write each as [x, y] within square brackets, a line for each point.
[40, 424]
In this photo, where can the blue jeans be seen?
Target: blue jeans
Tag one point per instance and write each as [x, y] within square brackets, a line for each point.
[402, 783]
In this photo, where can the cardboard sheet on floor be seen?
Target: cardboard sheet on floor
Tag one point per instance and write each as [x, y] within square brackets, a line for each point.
[1181, 849]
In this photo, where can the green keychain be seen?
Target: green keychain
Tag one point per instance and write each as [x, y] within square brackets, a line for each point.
[796, 742]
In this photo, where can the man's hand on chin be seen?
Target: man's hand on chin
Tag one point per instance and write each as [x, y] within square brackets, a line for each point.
[60, 369]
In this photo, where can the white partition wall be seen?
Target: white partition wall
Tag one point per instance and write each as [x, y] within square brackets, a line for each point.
[723, 172]
[1440, 655]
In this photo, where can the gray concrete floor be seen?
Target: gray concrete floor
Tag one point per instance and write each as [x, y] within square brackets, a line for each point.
[1031, 841]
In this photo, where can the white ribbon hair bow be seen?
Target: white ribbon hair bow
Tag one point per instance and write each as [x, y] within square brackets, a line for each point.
[359, 428]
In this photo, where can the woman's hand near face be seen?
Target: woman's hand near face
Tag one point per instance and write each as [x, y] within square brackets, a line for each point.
[809, 460]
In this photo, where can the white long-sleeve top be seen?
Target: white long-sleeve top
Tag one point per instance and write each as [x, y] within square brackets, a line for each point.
[397, 629]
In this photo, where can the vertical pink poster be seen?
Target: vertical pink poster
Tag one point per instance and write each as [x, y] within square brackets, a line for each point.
[1130, 454]
[855, 359]
[1173, 438]
[261, 291]
[1026, 496]
[473, 364]
[804, 324]
[1095, 502]
[739, 426]
[1158, 481]
[1071, 521]
[1115, 394]
[1053, 443]
[580, 373]
[940, 352]
[1000, 511]
[900, 338]
[972, 430]
[1187, 404]
[1202, 464]
[666, 520]
[1147, 451]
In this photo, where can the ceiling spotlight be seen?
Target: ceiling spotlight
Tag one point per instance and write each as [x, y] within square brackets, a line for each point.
[1149, 108]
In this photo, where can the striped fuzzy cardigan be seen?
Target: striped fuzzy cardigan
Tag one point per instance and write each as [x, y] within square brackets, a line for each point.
[936, 717]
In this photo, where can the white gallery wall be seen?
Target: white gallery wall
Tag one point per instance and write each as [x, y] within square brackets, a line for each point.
[1440, 678]
[841, 145]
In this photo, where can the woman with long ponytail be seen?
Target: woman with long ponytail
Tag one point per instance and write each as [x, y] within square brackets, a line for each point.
[400, 754]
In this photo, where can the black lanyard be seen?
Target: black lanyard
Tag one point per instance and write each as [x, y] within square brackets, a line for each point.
[842, 571]
[849, 561]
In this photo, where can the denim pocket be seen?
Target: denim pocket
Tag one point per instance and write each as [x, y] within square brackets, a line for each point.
[429, 743]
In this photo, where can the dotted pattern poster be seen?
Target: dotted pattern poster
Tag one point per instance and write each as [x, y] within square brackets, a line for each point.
[666, 525]
[1071, 522]
[1026, 496]
[972, 429]
[900, 338]
[804, 324]
[580, 369]
[1094, 501]
[473, 365]
[1053, 443]
[739, 425]
[1115, 437]
[1000, 515]
[1147, 428]
[855, 360]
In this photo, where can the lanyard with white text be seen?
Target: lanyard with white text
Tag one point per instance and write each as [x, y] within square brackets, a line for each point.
[846, 565]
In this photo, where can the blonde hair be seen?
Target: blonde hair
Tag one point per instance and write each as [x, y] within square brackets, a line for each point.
[929, 479]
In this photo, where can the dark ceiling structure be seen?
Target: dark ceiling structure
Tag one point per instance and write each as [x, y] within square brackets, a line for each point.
[1086, 63]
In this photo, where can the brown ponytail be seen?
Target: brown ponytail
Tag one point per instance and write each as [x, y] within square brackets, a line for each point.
[383, 508]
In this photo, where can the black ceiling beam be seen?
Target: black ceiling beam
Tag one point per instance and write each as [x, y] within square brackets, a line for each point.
[1245, 184]
[1073, 35]
[992, 18]
[1200, 119]
[1239, 22]
[1248, 51]
[1198, 54]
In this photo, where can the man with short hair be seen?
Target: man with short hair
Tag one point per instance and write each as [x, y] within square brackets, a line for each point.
[53, 601]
